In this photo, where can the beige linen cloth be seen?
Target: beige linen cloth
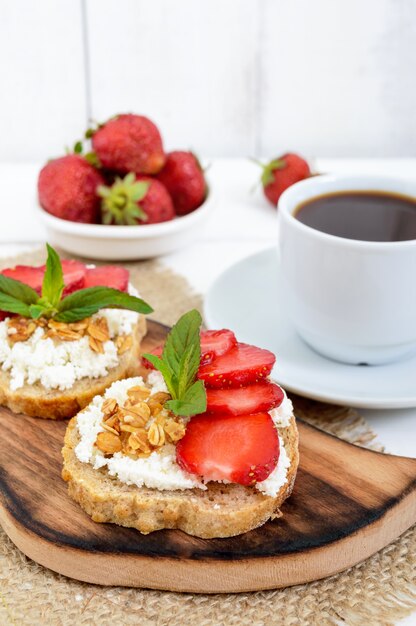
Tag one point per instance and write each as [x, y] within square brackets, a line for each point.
[377, 592]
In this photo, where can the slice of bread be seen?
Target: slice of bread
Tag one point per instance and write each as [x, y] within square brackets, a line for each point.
[223, 510]
[37, 401]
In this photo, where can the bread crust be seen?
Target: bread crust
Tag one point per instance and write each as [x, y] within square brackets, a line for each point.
[36, 401]
[223, 510]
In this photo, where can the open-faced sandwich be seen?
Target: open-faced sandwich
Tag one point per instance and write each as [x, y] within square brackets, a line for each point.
[203, 441]
[67, 331]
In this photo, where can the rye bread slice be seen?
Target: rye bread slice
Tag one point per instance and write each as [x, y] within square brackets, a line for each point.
[223, 510]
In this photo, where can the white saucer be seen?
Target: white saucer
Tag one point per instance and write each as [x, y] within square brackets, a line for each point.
[248, 299]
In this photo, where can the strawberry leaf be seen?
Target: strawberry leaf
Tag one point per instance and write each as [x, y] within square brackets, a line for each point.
[267, 176]
[119, 203]
[92, 159]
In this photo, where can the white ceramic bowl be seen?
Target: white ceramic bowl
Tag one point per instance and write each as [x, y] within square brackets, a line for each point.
[123, 243]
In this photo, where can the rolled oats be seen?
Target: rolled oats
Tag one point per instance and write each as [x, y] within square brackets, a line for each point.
[142, 425]
[124, 343]
[109, 443]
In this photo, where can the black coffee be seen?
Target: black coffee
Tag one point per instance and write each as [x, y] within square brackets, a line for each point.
[362, 215]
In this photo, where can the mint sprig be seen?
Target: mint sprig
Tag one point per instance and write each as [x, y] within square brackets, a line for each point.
[86, 302]
[16, 297]
[179, 365]
[53, 280]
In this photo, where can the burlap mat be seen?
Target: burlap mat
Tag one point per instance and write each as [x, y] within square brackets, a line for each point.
[379, 591]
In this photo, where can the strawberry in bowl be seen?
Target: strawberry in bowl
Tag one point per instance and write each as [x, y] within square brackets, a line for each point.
[125, 198]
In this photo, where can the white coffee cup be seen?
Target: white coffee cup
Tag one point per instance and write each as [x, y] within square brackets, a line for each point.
[352, 301]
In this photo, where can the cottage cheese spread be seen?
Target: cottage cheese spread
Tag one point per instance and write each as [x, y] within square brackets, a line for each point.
[58, 366]
[159, 470]
[278, 477]
[283, 413]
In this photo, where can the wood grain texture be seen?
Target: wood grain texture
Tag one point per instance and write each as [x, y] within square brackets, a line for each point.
[348, 503]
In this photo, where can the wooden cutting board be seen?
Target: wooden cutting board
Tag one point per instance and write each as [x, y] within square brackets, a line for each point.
[348, 503]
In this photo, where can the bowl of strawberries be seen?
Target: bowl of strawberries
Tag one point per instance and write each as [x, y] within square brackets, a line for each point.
[126, 198]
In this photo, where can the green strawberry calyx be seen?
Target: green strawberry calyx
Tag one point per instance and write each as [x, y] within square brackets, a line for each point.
[91, 156]
[269, 168]
[120, 202]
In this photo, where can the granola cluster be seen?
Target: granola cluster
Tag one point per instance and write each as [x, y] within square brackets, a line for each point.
[140, 426]
[96, 329]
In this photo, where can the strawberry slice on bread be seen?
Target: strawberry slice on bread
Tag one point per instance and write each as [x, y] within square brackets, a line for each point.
[216, 343]
[74, 275]
[242, 365]
[243, 449]
[254, 398]
[213, 343]
[32, 276]
[107, 276]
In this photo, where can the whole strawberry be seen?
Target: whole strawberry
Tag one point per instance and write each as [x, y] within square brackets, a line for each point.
[129, 143]
[183, 177]
[136, 200]
[281, 173]
[67, 189]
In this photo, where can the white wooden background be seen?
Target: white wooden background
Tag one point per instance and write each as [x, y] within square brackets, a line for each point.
[225, 77]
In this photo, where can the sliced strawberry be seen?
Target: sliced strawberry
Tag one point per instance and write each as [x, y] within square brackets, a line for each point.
[32, 276]
[242, 365]
[255, 398]
[74, 275]
[243, 449]
[108, 276]
[157, 352]
[215, 343]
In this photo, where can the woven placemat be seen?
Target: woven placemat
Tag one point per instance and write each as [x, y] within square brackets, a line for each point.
[377, 592]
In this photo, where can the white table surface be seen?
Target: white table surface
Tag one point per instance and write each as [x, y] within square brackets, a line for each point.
[242, 223]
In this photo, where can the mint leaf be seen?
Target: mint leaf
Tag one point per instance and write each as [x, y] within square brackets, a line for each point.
[193, 402]
[13, 305]
[36, 311]
[185, 333]
[86, 302]
[187, 370]
[179, 366]
[163, 369]
[17, 290]
[16, 297]
[53, 280]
